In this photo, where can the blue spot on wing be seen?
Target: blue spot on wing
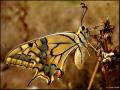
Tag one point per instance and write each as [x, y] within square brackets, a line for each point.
[43, 48]
[44, 44]
[44, 41]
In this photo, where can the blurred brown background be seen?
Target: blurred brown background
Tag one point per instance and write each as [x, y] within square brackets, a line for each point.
[25, 20]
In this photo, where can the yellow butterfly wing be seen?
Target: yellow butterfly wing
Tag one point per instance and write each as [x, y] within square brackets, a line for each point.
[41, 53]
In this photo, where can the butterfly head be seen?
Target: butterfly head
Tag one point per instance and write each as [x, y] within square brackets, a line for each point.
[83, 31]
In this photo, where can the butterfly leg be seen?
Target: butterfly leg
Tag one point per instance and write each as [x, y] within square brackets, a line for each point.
[88, 51]
[93, 47]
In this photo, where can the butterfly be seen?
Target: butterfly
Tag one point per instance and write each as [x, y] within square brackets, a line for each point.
[47, 55]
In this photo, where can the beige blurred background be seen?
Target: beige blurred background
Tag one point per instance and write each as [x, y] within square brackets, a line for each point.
[25, 20]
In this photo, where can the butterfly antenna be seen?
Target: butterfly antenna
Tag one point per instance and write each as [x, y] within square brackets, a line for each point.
[84, 10]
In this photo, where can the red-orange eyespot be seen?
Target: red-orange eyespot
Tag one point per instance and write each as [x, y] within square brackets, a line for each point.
[58, 73]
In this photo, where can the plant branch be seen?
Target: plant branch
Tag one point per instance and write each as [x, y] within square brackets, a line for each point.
[93, 75]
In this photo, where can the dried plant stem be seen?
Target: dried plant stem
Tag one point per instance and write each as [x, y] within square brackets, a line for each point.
[93, 75]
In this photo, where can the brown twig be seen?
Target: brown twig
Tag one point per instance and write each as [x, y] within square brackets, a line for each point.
[93, 75]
